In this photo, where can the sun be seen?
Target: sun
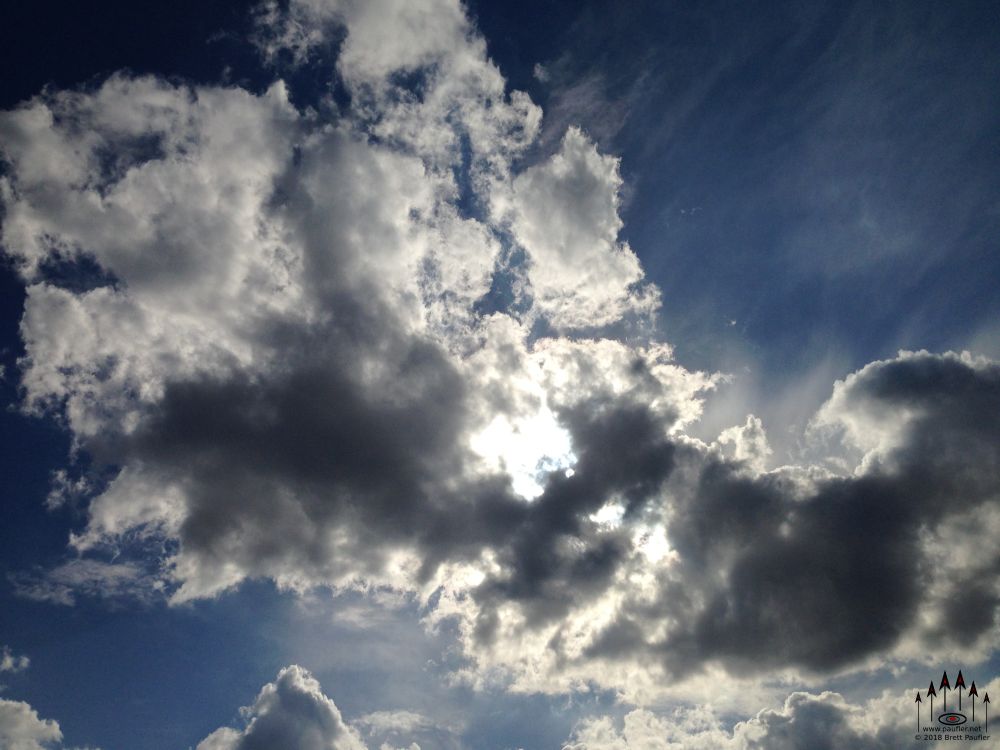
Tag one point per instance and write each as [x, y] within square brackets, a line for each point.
[528, 448]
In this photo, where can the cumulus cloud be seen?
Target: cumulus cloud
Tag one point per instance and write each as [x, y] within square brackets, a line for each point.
[775, 570]
[290, 281]
[805, 722]
[367, 346]
[291, 712]
[564, 211]
[748, 443]
[22, 729]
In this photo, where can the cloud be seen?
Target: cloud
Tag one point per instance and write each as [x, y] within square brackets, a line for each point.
[805, 722]
[786, 569]
[10, 662]
[88, 577]
[420, 77]
[684, 729]
[208, 268]
[813, 721]
[364, 346]
[291, 712]
[22, 729]
[565, 213]
[749, 443]
[389, 729]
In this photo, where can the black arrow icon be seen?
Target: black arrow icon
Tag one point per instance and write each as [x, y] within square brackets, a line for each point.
[945, 687]
[918, 701]
[986, 702]
[973, 693]
[959, 684]
[931, 692]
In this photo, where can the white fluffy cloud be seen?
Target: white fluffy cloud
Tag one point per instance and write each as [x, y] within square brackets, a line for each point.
[804, 722]
[564, 211]
[748, 443]
[22, 729]
[292, 712]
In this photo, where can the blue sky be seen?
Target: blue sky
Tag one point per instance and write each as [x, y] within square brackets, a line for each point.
[496, 375]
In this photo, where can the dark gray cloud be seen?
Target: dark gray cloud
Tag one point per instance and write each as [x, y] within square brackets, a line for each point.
[275, 463]
[774, 574]
[557, 556]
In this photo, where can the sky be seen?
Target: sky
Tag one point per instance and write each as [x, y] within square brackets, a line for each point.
[417, 374]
